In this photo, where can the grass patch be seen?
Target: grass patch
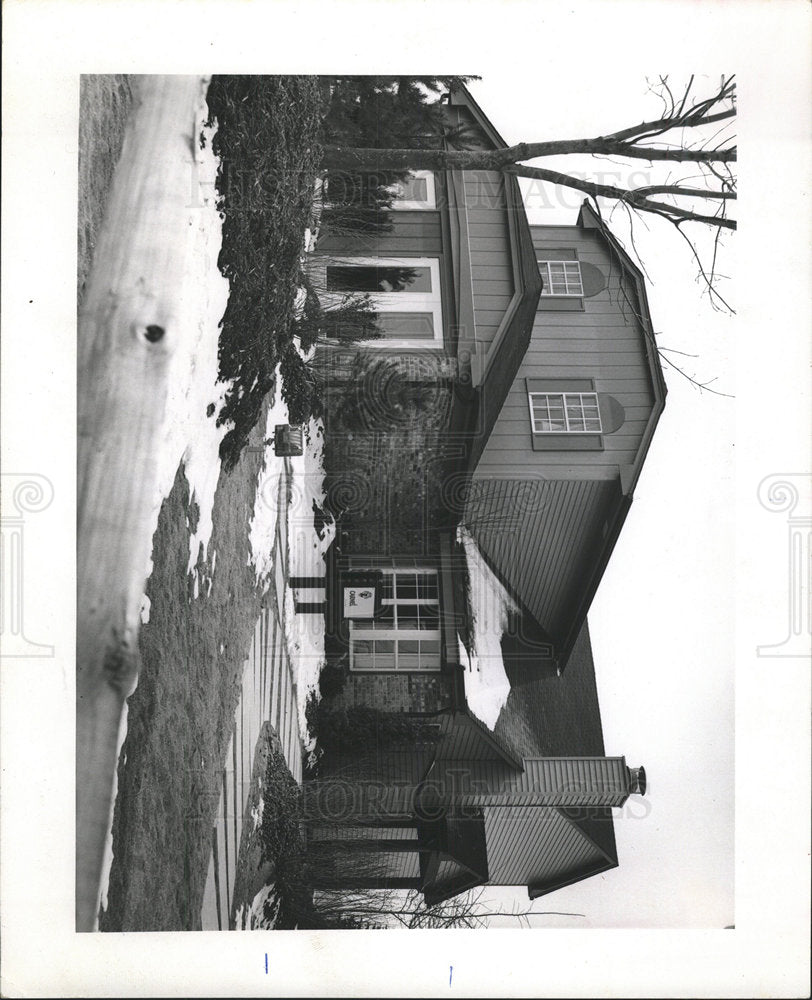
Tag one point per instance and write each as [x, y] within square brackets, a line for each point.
[105, 103]
[181, 714]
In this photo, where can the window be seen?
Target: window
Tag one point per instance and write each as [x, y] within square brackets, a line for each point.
[405, 293]
[561, 277]
[416, 192]
[406, 634]
[569, 414]
[565, 413]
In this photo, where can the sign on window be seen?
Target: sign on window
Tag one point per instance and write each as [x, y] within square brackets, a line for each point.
[359, 602]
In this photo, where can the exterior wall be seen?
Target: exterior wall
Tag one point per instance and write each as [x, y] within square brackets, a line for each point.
[413, 234]
[481, 240]
[384, 457]
[395, 692]
[416, 233]
[386, 755]
[545, 781]
[490, 253]
[602, 341]
[335, 832]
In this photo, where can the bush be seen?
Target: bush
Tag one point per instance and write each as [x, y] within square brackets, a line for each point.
[360, 729]
[352, 319]
[267, 141]
[296, 870]
[270, 135]
[332, 678]
[378, 112]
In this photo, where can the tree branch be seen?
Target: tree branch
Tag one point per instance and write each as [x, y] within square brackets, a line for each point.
[344, 158]
[671, 212]
[683, 192]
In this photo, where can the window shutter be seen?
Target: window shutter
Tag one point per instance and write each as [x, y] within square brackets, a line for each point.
[612, 413]
[593, 279]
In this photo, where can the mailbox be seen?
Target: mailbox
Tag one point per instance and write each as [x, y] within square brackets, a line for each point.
[288, 441]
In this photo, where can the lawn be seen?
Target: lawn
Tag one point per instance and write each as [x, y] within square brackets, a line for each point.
[105, 103]
[181, 713]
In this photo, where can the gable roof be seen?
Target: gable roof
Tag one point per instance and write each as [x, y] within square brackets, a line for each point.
[482, 407]
[559, 716]
[493, 375]
[511, 342]
[588, 218]
[549, 715]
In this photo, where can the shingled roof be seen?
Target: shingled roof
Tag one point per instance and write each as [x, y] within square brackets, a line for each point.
[549, 715]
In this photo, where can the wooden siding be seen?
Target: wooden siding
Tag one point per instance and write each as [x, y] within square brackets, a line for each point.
[577, 780]
[490, 251]
[330, 802]
[405, 766]
[528, 844]
[541, 537]
[376, 865]
[546, 781]
[321, 834]
[488, 254]
[464, 743]
[603, 342]
[458, 779]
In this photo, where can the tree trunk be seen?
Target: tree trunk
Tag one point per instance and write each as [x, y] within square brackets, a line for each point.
[130, 335]
[370, 160]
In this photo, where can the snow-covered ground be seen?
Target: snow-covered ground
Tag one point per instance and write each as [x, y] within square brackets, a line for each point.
[190, 432]
[263, 911]
[304, 633]
[258, 809]
[486, 683]
[307, 549]
[107, 860]
[191, 437]
[196, 396]
[262, 530]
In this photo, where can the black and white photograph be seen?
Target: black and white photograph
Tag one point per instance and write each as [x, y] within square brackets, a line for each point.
[426, 456]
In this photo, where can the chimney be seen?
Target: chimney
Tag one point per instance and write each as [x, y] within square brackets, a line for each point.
[543, 781]
[637, 780]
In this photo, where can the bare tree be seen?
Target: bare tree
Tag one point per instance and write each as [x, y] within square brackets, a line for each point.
[691, 132]
[400, 908]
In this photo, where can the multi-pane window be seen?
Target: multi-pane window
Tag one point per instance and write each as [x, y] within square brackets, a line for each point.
[561, 277]
[565, 413]
[406, 634]
[416, 192]
[404, 292]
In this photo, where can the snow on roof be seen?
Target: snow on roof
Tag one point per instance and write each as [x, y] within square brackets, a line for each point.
[486, 684]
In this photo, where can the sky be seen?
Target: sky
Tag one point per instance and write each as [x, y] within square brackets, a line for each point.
[705, 564]
[662, 621]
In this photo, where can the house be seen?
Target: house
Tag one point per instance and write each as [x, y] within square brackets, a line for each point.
[506, 410]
